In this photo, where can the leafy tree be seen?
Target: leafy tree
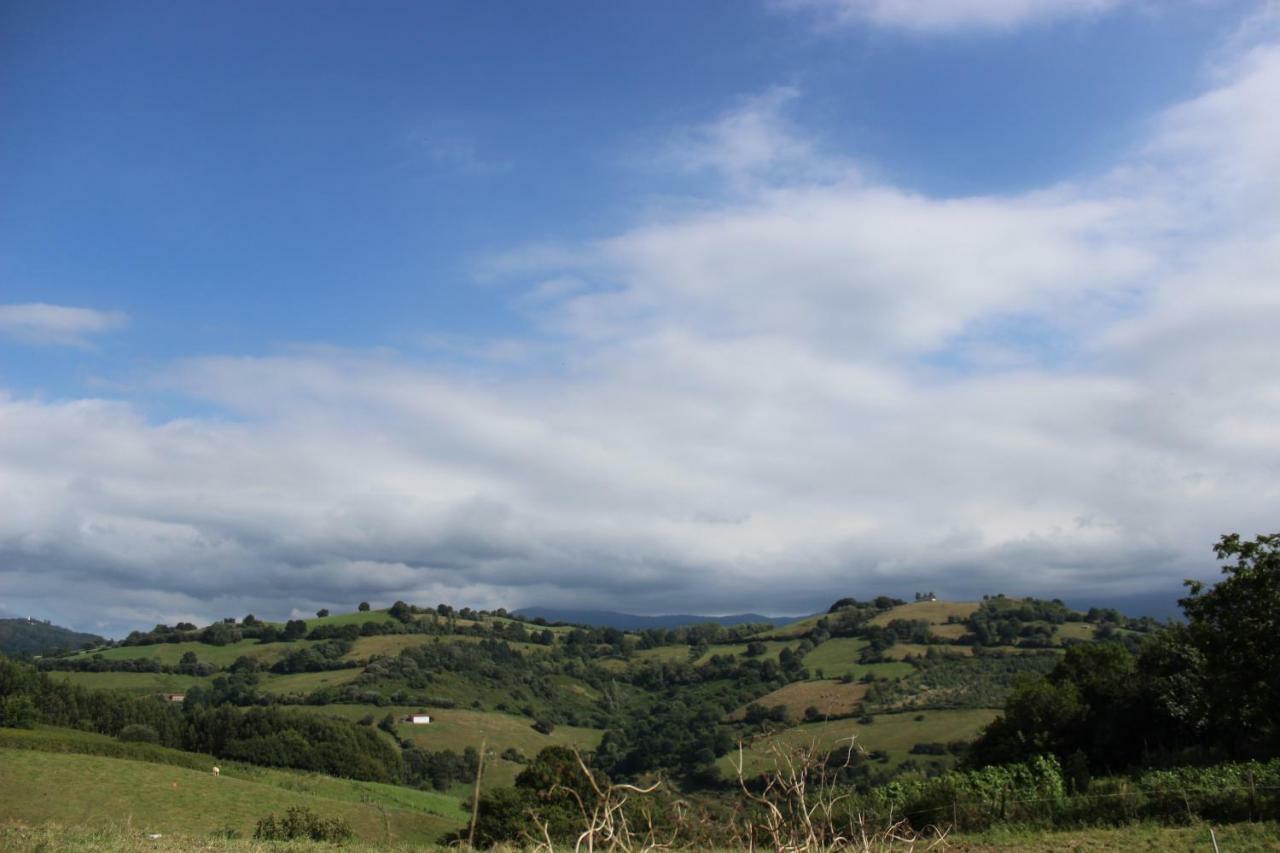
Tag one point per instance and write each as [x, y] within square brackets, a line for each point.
[1235, 627]
[301, 824]
[221, 634]
[322, 612]
[18, 712]
[363, 607]
[140, 733]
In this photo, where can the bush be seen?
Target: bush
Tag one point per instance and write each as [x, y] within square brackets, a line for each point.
[300, 823]
[545, 727]
[19, 712]
[931, 748]
[139, 733]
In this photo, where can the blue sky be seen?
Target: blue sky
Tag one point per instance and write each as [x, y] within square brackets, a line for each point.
[509, 243]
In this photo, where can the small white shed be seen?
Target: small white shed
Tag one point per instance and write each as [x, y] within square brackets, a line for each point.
[420, 719]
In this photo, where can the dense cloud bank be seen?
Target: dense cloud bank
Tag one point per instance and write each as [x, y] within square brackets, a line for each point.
[813, 385]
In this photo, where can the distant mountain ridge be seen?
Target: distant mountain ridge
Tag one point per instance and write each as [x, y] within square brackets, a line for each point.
[633, 622]
[33, 637]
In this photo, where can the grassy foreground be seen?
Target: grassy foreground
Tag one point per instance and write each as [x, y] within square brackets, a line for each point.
[94, 792]
[1231, 838]
[122, 838]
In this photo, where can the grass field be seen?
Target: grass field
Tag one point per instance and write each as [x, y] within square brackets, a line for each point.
[839, 656]
[392, 644]
[134, 682]
[893, 733]
[61, 740]
[1074, 631]
[680, 654]
[353, 618]
[89, 790]
[171, 653]
[303, 683]
[385, 644]
[831, 698]
[457, 729]
[949, 630]
[933, 612]
[1236, 838]
[901, 651]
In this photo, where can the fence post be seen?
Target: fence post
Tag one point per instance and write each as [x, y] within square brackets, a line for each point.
[1253, 797]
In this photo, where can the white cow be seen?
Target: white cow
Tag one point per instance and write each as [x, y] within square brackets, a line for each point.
[217, 771]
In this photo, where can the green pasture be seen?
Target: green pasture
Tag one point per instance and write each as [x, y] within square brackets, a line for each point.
[456, 729]
[222, 656]
[89, 790]
[893, 733]
[933, 612]
[302, 683]
[839, 657]
[134, 682]
[1074, 631]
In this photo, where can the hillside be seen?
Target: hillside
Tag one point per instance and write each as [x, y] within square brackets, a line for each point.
[167, 791]
[497, 678]
[32, 637]
[632, 622]
[911, 684]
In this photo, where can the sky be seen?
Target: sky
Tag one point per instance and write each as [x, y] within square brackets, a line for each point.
[646, 306]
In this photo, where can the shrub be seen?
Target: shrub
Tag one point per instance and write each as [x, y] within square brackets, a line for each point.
[300, 823]
[931, 748]
[139, 733]
[514, 755]
[19, 712]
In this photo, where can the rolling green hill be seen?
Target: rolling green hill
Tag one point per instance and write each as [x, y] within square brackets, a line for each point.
[31, 637]
[164, 791]
[927, 672]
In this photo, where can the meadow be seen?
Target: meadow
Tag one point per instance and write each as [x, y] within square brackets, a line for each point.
[96, 791]
[893, 734]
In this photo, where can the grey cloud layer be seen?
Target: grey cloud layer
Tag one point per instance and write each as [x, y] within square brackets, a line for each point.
[818, 386]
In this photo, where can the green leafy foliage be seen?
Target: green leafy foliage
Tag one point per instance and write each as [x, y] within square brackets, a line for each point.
[300, 823]
[1235, 628]
[32, 637]
[1206, 690]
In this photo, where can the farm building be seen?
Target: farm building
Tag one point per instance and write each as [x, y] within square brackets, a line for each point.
[174, 697]
[420, 719]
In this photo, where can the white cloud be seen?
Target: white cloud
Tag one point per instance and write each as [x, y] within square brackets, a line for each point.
[807, 389]
[938, 16]
[39, 323]
[752, 141]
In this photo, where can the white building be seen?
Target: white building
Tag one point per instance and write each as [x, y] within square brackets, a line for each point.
[420, 719]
